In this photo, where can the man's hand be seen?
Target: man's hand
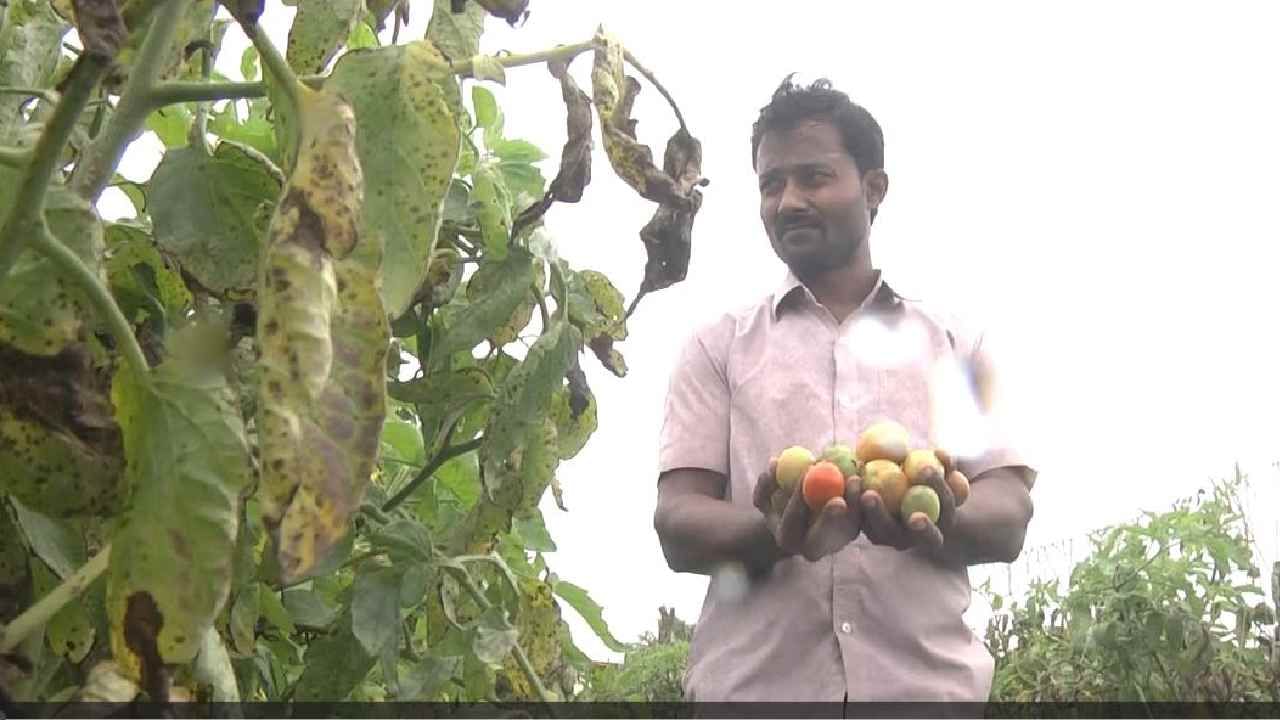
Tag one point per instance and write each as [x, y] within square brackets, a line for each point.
[795, 528]
[881, 528]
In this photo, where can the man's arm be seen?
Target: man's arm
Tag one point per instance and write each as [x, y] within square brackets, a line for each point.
[992, 523]
[698, 529]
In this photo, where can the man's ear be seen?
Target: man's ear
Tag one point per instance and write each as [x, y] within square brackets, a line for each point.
[875, 185]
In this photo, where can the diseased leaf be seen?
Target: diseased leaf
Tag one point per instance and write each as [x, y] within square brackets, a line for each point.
[334, 665]
[590, 611]
[41, 309]
[211, 212]
[456, 34]
[668, 235]
[538, 626]
[189, 460]
[531, 531]
[131, 257]
[100, 27]
[602, 347]
[319, 29]
[245, 610]
[513, 11]
[60, 449]
[475, 321]
[613, 95]
[323, 339]
[575, 159]
[406, 101]
[30, 45]
[487, 279]
[494, 638]
[487, 67]
[574, 409]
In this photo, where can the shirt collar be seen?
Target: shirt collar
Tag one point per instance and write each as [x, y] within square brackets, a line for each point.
[881, 297]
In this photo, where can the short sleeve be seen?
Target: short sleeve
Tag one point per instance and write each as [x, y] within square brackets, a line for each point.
[980, 358]
[695, 423]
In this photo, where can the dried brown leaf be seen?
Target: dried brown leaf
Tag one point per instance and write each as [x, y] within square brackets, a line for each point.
[101, 29]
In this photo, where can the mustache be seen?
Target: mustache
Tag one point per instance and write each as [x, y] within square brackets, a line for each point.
[791, 222]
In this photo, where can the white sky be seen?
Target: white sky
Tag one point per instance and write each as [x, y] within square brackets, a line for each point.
[1095, 181]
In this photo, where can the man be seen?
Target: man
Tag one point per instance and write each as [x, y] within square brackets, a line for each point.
[847, 603]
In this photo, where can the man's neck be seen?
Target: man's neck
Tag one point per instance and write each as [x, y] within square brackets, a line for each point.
[842, 290]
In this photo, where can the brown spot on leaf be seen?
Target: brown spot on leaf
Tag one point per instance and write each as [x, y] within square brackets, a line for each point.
[142, 625]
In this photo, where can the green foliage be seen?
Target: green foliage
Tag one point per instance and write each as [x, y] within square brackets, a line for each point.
[292, 503]
[1165, 609]
[652, 670]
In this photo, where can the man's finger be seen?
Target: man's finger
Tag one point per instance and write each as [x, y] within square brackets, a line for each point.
[828, 533]
[879, 526]
[852, 499]
[946, 498]
[923, 532]
[763, 492]
[795, 523]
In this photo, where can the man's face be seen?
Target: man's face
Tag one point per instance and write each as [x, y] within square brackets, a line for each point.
[813, 200]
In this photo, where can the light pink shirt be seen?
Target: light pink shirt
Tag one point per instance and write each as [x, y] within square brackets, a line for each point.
[869, 621]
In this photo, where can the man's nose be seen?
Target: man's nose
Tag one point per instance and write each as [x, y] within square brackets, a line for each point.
[792, 199]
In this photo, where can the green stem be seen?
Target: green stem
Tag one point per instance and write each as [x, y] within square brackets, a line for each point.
[563, 52]
[198, 135]
[72, 265]
[653, 79]
[39, 614]
[27, 211]
[442, 457]
[522, 658]
[103, 155]
[179, 92]
[274, 64]
[15, 157]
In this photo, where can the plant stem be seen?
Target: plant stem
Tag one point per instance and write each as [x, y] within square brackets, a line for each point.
[274, 64]
[37, 615]
[563, 52]
[14, 157]
[653, 79]
[49, 96]
[27, 211]
[100, 159]
[178, 92]
[442, 457]
[521, 657]
[93, 287]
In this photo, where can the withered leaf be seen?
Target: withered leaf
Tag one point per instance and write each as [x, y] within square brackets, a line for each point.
[668, 235]
[602, 346]
[513, 11]
[100, 26]
[575, 158]
[579, 390]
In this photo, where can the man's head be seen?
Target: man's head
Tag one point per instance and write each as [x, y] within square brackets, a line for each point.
[819, 159]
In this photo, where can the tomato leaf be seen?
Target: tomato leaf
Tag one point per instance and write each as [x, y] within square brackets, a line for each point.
[589, 609]
[333, 666]
[457, 35]
[406, 101]
[319, 29]
[375, 608]
[171, 560]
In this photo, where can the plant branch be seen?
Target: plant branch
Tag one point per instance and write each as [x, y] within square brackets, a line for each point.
[273, 63]
[93, 287]
[27, 211]
[465, 68]
[522, 658]
[36, 616]
[648, 74]
[445, 455]
[49, 96]
[94, 171]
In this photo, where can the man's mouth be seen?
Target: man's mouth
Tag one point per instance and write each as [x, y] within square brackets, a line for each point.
[799, 232]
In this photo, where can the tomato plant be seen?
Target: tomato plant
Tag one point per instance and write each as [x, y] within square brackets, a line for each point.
[283, 434]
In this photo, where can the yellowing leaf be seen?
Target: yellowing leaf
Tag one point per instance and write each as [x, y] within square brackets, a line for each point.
[319, 28]
[171, 560]
[405, 100]
[323, 340]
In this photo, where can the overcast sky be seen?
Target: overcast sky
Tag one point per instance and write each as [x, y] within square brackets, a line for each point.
[1095, 182]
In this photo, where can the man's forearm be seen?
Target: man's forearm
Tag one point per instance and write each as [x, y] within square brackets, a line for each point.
[992, 524]
[699, 533]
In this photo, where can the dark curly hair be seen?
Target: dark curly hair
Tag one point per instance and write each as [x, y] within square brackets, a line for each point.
[792, 104]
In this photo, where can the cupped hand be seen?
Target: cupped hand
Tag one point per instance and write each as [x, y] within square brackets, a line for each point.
[797, 528]
[883, 528]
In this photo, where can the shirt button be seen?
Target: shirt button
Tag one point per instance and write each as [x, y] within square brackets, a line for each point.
[846, 628]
